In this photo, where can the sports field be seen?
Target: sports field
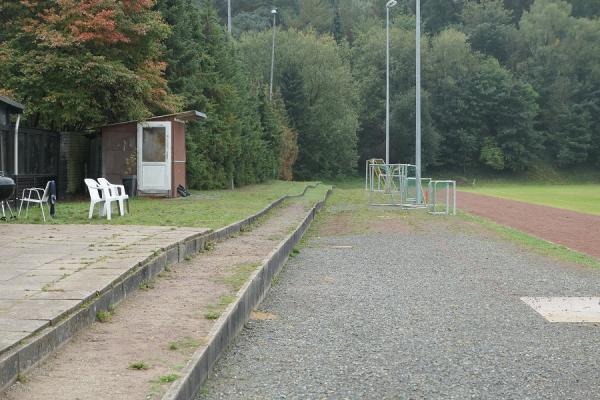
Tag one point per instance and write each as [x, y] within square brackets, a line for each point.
[581, 198]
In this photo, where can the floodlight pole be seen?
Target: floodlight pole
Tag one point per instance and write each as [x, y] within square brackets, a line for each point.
[229, 17]
[387, 88]
[274, 12]
[388, 5]
[418, 103]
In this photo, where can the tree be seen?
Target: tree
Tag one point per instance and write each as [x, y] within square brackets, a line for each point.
[506, 108]
[369, 66]
[491, 155]
[356, 16]
[585, 8]
[438, 14]
[336, 29]
[561, 64]
[292, 90]
[80, 64]
[319, 94]
[474, 98]
[251, 21]
[242, 139]
[490, 28]
[278, 134]
[317, 14]
[518, 7]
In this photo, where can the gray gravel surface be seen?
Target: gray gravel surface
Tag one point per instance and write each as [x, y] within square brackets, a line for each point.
[414, 316]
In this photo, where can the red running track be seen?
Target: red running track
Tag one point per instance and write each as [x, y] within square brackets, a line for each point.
[577, 231]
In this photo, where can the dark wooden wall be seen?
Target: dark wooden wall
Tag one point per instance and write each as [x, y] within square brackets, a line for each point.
[118, 142]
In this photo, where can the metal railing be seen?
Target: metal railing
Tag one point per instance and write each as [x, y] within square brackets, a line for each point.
[442, 197]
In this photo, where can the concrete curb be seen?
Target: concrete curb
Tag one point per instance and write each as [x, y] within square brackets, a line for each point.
[42, 343]
[237, 313]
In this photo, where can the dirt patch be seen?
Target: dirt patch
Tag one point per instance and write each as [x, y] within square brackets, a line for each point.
[262, 316]
[577, 231]
[348, 223]
[390, 224]
[339, 224]
[151, 335]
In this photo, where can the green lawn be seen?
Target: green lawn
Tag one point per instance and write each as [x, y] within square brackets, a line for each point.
[207, 209]
[583, 198]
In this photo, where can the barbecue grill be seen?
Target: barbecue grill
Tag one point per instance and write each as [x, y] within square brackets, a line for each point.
[7, 188]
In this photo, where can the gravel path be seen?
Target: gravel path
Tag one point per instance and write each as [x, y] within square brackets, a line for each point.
[578, 231]
[415, 315]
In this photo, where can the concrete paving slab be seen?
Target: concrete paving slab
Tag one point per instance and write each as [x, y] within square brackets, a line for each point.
[10, 273]
[38, 258]
[56, 294]
[8, 339]
[118, 263]
[63, 268]
[6, 293]
[57, 273]
[5, 306]
[47, 271]
[566, 309]
[21, 325]
[20, 283]
[77, 282]
[41, 309]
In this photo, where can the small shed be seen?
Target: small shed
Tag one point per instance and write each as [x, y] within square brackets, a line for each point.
[153, 150]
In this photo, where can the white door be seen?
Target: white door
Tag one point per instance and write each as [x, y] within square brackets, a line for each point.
[154, 156]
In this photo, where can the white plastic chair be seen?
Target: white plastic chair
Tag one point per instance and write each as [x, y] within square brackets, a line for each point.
[118, 192]
[105, 199]
[41, 197]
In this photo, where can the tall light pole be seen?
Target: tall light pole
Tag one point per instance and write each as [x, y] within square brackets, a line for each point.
[389, 5]
[229, 17]
[418, 103]
[274, 12]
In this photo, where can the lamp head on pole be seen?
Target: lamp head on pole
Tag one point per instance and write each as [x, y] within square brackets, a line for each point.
[274, 11]
[391, 3]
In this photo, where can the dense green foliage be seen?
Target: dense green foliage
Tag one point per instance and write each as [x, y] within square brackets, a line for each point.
[318, 91]
[80, 64]
[76, 64]
[241, 141]
[507, 84]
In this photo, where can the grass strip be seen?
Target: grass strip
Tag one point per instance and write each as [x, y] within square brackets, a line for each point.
[579, 198]
[535, 244]
[208, 209]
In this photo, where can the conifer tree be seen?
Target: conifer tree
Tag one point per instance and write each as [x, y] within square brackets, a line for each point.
[240, 142]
